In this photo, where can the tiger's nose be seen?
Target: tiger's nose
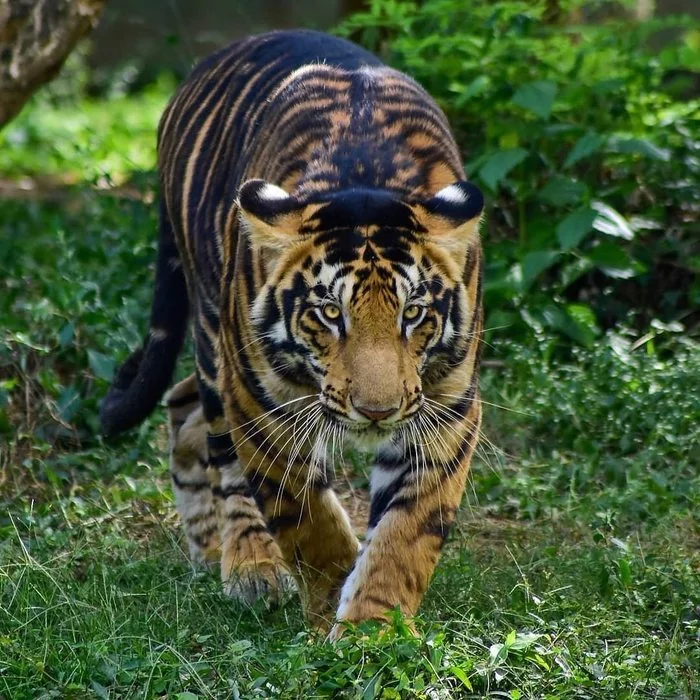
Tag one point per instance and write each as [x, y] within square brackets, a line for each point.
[374, 413]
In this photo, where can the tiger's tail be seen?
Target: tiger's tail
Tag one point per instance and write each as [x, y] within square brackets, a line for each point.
[143, 379]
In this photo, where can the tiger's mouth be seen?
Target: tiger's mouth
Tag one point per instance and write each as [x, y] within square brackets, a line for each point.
[359, 427]
[369, 429]
[391, 424]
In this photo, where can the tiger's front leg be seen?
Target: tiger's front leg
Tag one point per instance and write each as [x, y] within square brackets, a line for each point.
[307, 520]
[415, 496]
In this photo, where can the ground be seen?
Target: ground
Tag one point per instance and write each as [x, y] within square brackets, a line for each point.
[573, 571]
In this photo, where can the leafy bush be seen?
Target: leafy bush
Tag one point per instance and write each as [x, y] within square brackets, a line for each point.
[585, 142]
[78, 279]
[616, 431]
[76, 260]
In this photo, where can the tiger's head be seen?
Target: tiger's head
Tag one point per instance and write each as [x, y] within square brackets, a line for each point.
[368, 297]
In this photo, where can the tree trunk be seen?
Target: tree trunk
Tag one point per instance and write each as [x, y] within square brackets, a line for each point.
[36, 37]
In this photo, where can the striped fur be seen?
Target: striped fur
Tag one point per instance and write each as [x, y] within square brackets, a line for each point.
[314, 207]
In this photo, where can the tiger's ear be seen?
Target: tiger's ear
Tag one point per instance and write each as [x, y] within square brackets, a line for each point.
[452, 216]
[269, 215]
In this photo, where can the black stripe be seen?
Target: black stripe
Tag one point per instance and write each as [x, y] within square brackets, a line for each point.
[382, 499]
[252, 529]
[220, 442]
[221, 460]
[232, 491]
[380, 602]
[439, 523]
[189, 485]
[182, 401]
[283, 522]
[241, 515]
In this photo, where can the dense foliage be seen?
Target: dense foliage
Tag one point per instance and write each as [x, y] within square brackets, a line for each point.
[585, 137]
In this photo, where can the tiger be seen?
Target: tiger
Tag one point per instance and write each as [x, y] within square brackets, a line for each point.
[319, 236]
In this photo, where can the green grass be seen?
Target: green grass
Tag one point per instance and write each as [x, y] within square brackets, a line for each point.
[572, 573]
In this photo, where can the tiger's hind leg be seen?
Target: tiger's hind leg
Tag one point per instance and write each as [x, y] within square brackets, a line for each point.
[190, 474]
[220, 516]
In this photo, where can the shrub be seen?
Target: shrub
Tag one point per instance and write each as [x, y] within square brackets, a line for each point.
[615, 430]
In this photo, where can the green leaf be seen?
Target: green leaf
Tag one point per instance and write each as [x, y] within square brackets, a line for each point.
[5, 425]
[524, 640]
[642, 147]
[625, 572]
[558, 318]
[498, 653]
[672, 327]
[460, 675]
[537, 97]
[614, 261]
[372, 688]
[609, 85]
[465, 93]
[99, 690]
[500, 320]
[561, 191]
[584, 316]
[186, 696]
[540, 661]
[68, 403]
[611, 222]
[587, 145]
[575, 227]
[497, 166]
[535, 263]
[101, 365]
[66, 334]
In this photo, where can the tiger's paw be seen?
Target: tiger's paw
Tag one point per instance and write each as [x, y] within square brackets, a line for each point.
[267, 581]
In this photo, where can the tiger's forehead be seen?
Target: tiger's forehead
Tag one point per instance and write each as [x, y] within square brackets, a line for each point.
[353, 271]
[371, 246]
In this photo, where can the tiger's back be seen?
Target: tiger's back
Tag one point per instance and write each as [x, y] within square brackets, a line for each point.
[358, 162]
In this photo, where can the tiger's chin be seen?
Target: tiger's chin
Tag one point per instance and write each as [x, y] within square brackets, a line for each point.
[371, 438]
[367, 437]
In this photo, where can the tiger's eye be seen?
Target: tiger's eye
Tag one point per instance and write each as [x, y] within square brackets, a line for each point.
[331, 312]
[411, 312]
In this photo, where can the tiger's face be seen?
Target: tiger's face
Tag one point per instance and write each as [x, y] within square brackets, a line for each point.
[366, 296]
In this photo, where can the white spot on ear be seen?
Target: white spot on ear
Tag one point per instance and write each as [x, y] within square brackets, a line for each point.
[271, 192]
[452, 193]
